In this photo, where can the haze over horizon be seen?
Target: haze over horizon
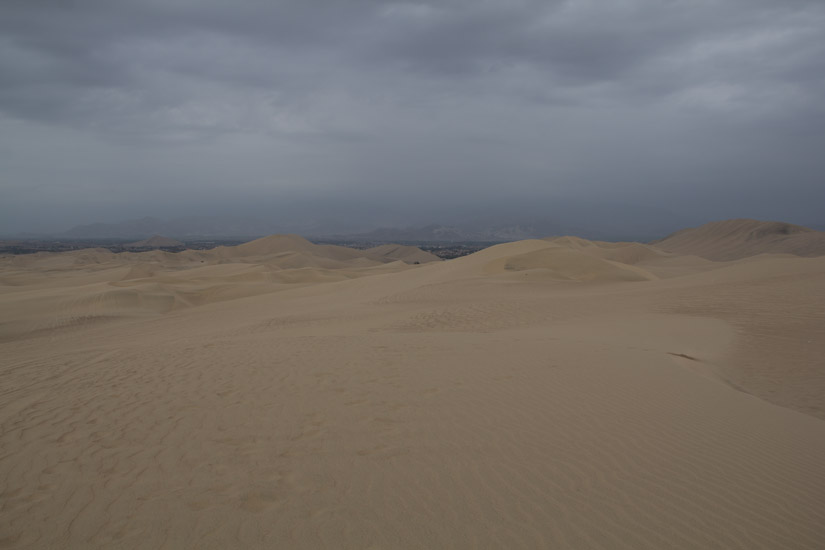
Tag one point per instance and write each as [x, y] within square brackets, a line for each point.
[378, 114]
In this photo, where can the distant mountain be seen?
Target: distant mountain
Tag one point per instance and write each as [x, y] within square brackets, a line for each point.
[740, 238]
[434, 222]
[180, 228]
[480, 230]
[144, 227]
[469, 231]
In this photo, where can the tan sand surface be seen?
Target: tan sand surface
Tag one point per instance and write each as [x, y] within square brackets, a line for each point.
[735, 239]
[556, 393]
[408, 254]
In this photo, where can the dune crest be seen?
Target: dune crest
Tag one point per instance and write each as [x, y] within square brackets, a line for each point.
[407, 254]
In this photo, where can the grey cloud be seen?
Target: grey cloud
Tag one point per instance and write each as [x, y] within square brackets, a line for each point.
[639, 98]
[294, 47]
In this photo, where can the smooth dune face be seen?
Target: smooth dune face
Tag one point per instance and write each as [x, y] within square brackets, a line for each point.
[736, 239]
[555, 393]
[562, 263]
[408, 254]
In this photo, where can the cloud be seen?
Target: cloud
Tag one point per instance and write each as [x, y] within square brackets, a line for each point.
[448, 97]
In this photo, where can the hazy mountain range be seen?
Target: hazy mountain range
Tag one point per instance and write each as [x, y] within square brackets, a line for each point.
[361, 220]
[179, 227]
[491, 230]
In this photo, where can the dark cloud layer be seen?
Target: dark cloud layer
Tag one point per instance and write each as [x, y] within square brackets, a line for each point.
[108, 109]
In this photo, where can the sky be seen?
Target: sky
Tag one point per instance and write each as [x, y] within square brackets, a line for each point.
[699, 109]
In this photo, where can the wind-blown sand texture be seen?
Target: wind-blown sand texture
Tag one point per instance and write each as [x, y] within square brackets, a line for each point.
[554, 393]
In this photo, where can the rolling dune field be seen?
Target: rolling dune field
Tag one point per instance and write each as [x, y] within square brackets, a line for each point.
[555, 393]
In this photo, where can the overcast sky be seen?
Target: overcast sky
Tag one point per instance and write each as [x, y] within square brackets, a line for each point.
[118, 109]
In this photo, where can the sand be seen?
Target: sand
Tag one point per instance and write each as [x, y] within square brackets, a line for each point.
[555, 393]
[736, 239]
[408, 254]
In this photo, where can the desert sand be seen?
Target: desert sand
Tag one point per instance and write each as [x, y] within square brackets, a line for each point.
[555, 393]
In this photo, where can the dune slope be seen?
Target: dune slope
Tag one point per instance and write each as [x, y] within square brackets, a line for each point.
[735, 239]
[408, 254]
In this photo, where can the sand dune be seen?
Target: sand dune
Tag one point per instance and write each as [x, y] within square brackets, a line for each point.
[565, 264]
[557, 393]
[159, 282]
[407, 254]
[735, 239]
